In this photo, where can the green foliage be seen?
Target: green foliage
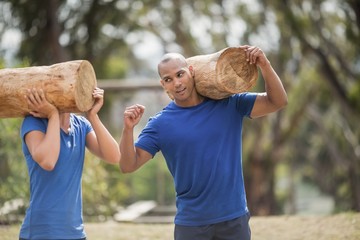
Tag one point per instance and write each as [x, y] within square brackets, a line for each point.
[14, 182]
[354, 94]
[115, 67]
[313, 46]
[13, 173]
[105, 188]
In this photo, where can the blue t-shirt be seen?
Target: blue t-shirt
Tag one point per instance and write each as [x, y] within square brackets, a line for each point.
[55, 208]
[202, 149]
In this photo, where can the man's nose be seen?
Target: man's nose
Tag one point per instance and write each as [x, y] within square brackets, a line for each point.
[178, 82]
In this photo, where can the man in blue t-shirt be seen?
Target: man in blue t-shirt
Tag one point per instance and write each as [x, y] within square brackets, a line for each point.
[200, 139]
[54, 144]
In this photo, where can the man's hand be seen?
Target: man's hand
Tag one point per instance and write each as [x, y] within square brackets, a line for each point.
[274, 97]
[38, 104]
[132, 115]
[254, 55]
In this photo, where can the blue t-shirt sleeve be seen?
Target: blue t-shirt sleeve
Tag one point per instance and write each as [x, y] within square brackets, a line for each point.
[31, 123]
[245, 102]
[148, 138]
[85, 124]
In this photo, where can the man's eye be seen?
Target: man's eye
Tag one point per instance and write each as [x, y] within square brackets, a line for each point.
[180, 74]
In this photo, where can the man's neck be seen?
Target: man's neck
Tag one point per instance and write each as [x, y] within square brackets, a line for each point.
[190, 102]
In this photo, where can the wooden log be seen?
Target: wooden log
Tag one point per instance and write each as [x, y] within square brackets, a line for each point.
[67, 85]
[224, 73]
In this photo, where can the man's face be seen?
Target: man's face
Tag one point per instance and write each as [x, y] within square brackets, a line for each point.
[177, 80]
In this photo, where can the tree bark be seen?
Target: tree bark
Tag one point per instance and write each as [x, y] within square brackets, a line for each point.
[224, 73]
[67, 85]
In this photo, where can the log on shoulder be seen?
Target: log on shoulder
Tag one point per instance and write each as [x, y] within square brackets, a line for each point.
[224, 73]
[67, 85]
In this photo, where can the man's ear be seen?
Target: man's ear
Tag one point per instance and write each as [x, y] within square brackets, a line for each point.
[192, 72]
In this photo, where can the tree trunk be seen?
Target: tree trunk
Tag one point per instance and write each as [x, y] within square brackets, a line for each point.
[67, 85]
[260, 175]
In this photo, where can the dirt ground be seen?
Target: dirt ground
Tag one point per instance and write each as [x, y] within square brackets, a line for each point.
[345, 226]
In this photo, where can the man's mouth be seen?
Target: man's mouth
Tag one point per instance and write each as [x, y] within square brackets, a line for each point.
[181, 90]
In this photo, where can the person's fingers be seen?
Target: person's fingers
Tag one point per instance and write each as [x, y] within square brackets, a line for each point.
[140, 107]
[31, 97]
[254, 55]
[249, 50]
[131, 115]
[98, 93]
[134, 112]
[41, 95]
[36, 96]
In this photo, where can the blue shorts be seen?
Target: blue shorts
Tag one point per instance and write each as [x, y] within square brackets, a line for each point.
[235, 229]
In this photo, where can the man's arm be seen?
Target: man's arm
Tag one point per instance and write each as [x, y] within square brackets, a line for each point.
[274, 98]
[131, 158]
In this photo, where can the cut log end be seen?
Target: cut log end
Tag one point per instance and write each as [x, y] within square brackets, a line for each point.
[224, 73]
[84, 86]
[234, 73]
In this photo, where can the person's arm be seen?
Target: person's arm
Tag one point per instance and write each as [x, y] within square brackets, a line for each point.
[132, 157]
[100, 142]
[274, 98]
[38, 142]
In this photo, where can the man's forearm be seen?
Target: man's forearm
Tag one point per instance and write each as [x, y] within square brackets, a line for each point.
[127, 150]
[273, 86]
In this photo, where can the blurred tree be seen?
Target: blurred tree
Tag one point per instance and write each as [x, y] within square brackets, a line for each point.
[13, 176]
[313, 45]
[326, 34]
[57, 30]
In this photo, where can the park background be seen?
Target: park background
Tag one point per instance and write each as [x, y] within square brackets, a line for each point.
[303, 160]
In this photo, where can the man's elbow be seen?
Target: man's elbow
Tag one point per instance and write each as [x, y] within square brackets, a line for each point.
[126, 169]
[284, 102]
[281, 102]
